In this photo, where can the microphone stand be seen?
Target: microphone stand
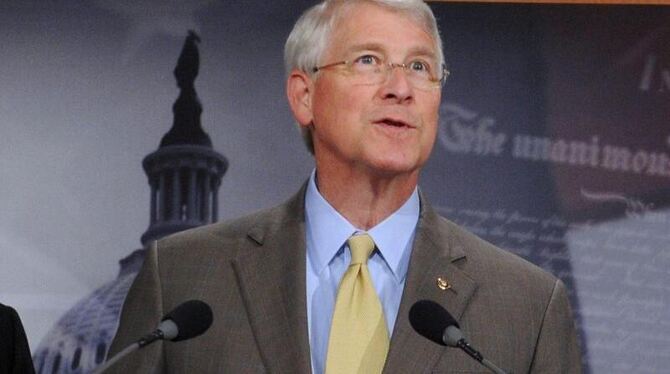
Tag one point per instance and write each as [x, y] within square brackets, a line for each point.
[144, 341]
[462, 344]
[125, 352]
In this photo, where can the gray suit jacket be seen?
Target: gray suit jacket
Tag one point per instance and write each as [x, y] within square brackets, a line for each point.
[251, 271]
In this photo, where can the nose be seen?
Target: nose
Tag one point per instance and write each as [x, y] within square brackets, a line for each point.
[397, 85]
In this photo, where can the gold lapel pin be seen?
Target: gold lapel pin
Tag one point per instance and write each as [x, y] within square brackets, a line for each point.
[443, 284]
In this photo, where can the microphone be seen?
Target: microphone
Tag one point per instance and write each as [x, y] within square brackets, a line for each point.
[435, 323]
[188, 320]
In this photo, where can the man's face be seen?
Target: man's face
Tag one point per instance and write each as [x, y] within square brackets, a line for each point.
[383, 129]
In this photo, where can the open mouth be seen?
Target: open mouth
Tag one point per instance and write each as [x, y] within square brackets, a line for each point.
[394, 123]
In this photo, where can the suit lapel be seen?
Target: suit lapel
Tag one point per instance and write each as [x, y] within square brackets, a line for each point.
[272, 283]
[436, 254]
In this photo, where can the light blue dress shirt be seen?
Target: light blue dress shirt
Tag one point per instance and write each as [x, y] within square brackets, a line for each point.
[328, 258]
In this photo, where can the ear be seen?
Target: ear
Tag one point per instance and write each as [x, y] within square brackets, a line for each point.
[299, 92]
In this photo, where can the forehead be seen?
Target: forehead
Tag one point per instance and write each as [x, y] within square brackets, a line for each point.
[367, 24]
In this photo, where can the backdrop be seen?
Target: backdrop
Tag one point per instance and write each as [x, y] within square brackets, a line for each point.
[553, 143]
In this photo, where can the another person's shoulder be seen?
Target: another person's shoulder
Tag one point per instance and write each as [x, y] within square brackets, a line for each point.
[7, 313]
[9, 322]
[4, 308]
[14, 349]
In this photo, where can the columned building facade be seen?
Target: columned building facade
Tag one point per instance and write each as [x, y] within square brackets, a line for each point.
[185, 172]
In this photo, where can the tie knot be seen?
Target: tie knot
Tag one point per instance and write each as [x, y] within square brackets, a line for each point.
[361, 247]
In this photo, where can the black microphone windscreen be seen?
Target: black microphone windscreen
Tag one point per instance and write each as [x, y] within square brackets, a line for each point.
[430, 320]
[192, 318]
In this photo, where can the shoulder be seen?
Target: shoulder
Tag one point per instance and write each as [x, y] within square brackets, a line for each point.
[516, 311]
[511, 295]
[483, 254]
[8, 315]
[11, 328]
[494, 268]
[229, 237]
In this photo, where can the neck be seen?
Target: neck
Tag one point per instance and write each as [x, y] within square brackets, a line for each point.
[363, 199]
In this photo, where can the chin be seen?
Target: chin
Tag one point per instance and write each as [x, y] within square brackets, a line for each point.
[393, 167]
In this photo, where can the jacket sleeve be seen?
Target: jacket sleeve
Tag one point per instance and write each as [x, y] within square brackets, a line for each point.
[557, 350]
[142, 311]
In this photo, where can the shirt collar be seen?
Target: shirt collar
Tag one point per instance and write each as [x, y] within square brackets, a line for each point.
[393, 235]
[328, 230]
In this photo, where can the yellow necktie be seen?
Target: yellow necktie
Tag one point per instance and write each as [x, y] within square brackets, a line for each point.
[359, 340]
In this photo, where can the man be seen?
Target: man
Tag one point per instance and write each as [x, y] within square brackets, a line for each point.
[364, 84]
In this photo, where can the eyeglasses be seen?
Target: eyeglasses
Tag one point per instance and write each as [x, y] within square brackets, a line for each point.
[371, 70]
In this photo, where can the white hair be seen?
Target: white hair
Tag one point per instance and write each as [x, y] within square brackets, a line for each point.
[309, 38]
